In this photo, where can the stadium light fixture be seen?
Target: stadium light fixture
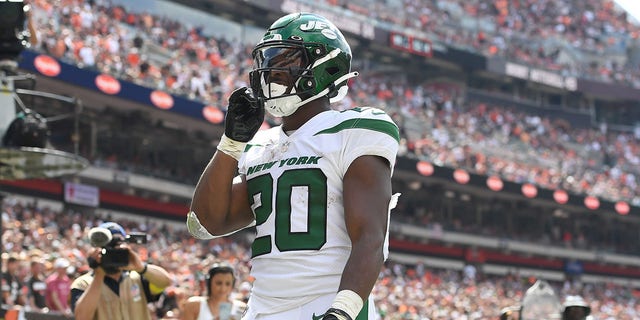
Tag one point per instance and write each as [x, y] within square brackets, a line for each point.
[27, 130]
[25, 152]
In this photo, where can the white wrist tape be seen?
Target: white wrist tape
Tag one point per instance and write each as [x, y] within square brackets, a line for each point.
[231, 147]
[349, 302]
[196, 229]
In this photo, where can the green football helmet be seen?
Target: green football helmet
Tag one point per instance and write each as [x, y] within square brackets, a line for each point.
[302, 57]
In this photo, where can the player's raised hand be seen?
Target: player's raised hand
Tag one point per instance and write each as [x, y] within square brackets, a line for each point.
[244, 115]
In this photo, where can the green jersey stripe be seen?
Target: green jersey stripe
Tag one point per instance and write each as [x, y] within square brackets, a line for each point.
[367, 124]
[364, 312]
[248, 146]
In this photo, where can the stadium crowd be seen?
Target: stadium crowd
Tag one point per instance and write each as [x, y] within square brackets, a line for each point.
[452, 131]
[438, 123]
[568, 36]
[555, 35]
[110, 39]
[445, 210]
[56, 239]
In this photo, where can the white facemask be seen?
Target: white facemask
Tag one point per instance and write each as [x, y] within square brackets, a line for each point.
[280, 106]
[286, 106]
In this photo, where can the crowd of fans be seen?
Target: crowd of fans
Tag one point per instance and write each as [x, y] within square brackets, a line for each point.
[483, 138]
[43, 242]
[108, 39]
[569, 36]
[438, 125]
[503, 221]
[127, 140]
[491, 139]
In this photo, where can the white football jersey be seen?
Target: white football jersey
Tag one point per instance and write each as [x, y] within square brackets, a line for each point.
[295, 190]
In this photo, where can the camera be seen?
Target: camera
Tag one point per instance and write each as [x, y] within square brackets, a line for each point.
[13, 35]
[113, 256]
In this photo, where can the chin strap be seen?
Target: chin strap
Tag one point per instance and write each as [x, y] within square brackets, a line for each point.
[327, 89]
[341, 94]
[342, 91]
[394, 200]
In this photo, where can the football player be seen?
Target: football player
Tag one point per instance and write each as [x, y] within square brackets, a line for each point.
[317, 188]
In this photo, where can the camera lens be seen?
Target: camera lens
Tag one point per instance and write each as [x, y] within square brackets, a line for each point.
[99, 237]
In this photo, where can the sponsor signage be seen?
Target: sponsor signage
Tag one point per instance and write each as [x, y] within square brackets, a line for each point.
[425, 168]
[545, 77]
[495, 184]
[592, 202]
[573, 267]
[561, 196]
[81, 194]
[106, 84]
[461, 176]
[622, 208]
[161, 99]
[529, 190]
[553, 79]
[47, 65]
[213, 114]
[411, 44]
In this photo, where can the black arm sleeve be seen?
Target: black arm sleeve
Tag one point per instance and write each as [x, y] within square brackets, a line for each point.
[147, 291]
[75, 295]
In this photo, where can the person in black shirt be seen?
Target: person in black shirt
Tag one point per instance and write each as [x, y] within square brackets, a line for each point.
[11, 285]
[36, 287]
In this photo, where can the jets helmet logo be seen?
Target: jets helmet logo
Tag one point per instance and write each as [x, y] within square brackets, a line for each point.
[324, 28]
[314, 25]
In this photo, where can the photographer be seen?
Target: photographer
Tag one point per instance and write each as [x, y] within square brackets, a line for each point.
[117, 288]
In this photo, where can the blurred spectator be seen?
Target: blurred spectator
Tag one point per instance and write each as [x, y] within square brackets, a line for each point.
[403, 291]
[218, 303]
[37, 286]
[171, 303]
[12, 286]
[575, 308]
[510, 313]
[59, 287]
[244, 291]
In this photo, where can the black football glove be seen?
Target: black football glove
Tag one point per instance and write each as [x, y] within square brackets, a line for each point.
[245, 115]
[336, 314]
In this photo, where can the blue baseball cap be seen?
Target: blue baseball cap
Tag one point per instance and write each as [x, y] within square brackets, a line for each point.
[114, 228]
